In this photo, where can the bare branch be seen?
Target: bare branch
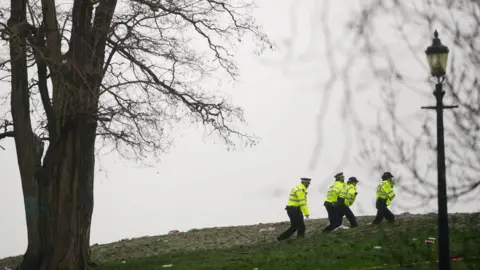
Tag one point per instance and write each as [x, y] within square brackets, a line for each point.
[406, 142]
[7, 134]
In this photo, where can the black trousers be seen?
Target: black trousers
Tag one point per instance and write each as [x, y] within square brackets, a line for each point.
[297, 223]
[342, 210]
[383, 212]
[331, 216]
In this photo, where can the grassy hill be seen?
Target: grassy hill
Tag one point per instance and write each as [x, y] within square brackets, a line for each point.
[401, 245]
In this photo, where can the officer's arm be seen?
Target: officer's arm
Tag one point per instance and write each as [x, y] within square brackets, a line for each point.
[302, 202]
[353, 193]
[389, 192]
[392, 195]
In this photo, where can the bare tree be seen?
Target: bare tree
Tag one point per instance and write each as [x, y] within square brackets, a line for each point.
[381, 34]
[122, 71]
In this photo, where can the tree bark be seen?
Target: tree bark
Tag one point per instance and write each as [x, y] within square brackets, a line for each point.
[69, 172]
[59, 215]
[58, 194]
[29, 149]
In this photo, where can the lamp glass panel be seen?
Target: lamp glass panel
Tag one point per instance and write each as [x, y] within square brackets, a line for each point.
[437, 63]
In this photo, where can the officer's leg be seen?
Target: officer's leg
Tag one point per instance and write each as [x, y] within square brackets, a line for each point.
[351, 217]
[331, 216]
[330, 211]
[339, 213]
[378, 218]
[381, 205]
[389, 215]
[301, 224]
[293, 224]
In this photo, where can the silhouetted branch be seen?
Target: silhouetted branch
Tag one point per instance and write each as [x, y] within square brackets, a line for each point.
[152, 71]
[387, 40]
[7, 134]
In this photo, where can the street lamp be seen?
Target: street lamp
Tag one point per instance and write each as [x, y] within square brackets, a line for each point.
[437, 55]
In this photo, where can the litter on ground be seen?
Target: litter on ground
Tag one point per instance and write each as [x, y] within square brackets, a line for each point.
[341, 227]
[269, 229]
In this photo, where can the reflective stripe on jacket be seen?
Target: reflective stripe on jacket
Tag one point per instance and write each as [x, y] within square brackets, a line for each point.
[334, 190]
[385, 191]
[298, 198]
[348, 194]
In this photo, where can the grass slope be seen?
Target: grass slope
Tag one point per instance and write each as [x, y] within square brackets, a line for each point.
[244, 247]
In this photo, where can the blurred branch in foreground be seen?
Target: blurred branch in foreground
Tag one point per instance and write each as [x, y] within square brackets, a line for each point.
[385, 42]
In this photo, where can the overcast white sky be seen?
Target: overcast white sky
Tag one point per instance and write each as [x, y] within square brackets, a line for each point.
[199, 184]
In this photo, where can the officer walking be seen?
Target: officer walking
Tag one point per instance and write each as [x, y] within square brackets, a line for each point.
[296, 209]
[332, 196]
[385, 196]
[346, 198]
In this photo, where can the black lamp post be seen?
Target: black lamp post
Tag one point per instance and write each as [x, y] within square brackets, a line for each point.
[437, 55]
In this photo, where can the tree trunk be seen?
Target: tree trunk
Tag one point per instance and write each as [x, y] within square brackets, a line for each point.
[59, 218]
[58, 193]
[29, 148]
[59, 199]
[70, 183]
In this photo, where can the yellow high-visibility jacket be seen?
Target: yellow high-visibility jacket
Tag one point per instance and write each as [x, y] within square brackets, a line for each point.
[298, 198]
[334, 190]
[348, 193]
[385, 191]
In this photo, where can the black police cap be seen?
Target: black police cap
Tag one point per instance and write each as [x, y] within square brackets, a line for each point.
[387, 175]
[353, 179]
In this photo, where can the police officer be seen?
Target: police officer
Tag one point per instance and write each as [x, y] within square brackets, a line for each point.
[384, 198]
[346, 198]
[332, 196]
[296, 209]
